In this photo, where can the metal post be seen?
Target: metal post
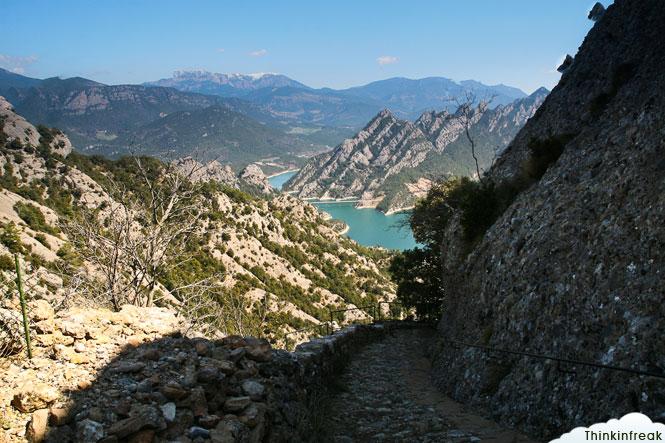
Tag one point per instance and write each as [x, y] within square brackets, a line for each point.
[331, 322]
[26, 326]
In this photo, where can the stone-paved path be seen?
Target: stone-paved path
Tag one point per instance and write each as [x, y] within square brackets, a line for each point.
[386, 395]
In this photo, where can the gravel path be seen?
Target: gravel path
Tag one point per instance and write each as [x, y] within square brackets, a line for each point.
[386, 395]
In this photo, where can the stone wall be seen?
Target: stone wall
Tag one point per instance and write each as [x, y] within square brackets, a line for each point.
[304, 377]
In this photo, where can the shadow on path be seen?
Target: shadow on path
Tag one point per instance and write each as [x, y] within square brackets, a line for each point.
[386, 395]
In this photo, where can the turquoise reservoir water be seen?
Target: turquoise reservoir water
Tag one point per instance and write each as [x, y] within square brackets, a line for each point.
[368, 227]
[277, 181]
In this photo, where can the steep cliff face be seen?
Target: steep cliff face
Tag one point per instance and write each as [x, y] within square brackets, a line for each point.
[385, 161]
[574, 268]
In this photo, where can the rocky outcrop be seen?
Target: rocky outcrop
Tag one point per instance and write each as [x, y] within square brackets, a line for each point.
[17, 128]
[573, 268]
[251, 178]
[380, 162]
[71, 351]
[253, 175]
[213, 170]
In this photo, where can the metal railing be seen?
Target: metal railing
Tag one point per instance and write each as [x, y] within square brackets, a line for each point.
[559, 360]
[364, 309]
[373, 311]
[316, 327]
[389, 304]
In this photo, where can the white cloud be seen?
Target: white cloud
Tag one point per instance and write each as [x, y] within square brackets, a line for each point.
[627, 428]
[259, 53]
[16, 65]
[387, 60]
[220, 49]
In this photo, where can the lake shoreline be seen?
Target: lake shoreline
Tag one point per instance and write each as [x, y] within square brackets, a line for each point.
[281, 173]
[370, 227]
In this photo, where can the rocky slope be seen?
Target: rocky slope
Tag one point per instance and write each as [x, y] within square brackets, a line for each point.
[574, 267]
[279, 256]
[384, 163]
[131, 375]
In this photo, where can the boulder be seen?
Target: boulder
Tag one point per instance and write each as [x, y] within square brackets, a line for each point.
[236, 404]
[174, 391]
[567, 63]
[253, 389]
[597, 12]
[40, 310]
[35, 396]
[198, 403]
[58, 416]
[258, 349]
[89, 431]
[168, 411]
[145, 417]
[36, 430]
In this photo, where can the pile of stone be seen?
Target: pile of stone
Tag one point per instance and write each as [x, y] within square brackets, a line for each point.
[108, 376]
[132, 375]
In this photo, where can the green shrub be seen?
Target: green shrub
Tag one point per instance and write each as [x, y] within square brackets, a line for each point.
[41, 238]
[542, 154]
[417, 273]
[15, 144]
[67, 254]
[10, 237]
[7, 263]
[33, 217]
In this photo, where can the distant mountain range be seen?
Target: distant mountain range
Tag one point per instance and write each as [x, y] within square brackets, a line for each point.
[225, 85]
[293, 102]
[111, 120]
[391, 161]
[234, 117]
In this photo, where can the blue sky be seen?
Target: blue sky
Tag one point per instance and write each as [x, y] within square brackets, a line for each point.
[336, 43]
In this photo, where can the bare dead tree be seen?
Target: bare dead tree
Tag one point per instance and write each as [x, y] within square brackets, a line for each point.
[132, 238]
[171, 218]
[469, 111]
[102, 237]
[242, 316]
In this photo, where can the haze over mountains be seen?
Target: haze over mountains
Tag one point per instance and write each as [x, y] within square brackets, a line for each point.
[292, 101]
[238, 119]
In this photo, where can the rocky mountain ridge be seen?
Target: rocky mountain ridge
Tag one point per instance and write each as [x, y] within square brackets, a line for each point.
[382, 163]
[294, 102]
[251, 179]
[228, 85]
